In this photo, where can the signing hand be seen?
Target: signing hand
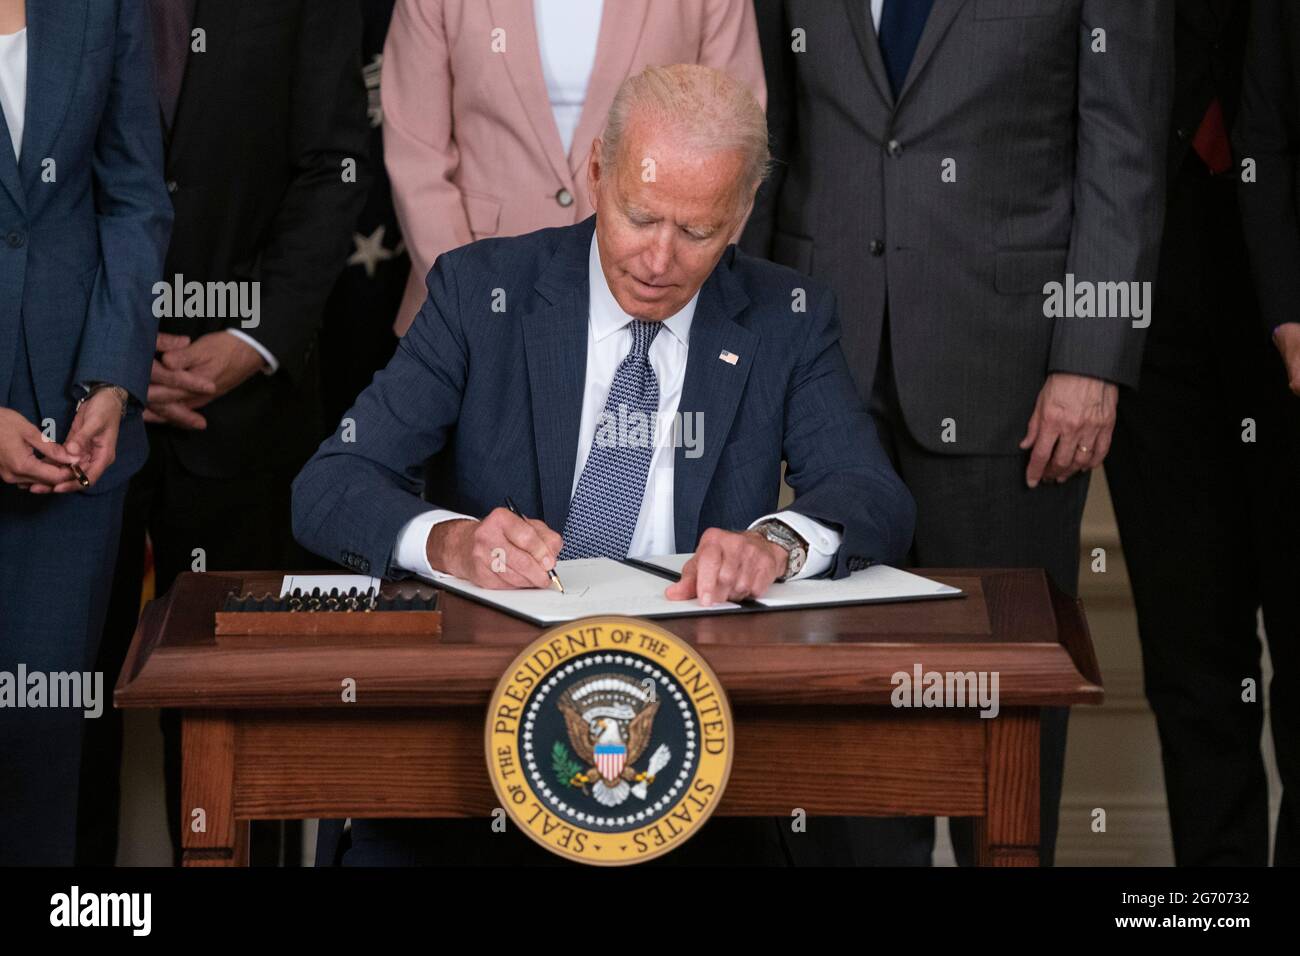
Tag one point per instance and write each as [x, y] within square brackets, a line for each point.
[729, 566]
[501, 551]
[20, 443]
[1070, 428]
[1287, 340]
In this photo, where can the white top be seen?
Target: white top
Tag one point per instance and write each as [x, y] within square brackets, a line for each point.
[609, 339]
[876, 7]
[13, 84]
[567, 31]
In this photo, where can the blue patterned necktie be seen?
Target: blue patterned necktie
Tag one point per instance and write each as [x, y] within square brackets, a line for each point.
[607, 501]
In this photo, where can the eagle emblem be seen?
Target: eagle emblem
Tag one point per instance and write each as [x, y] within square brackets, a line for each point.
[609, 719]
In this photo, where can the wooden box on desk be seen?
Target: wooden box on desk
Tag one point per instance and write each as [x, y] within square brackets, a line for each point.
[268, 734]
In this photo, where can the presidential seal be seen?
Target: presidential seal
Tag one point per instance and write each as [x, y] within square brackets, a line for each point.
[609, 740]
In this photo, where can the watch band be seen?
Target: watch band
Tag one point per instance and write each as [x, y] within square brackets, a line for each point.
[121, 394]
[796, 547]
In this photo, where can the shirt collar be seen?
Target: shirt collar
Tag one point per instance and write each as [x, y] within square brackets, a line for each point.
[607, 317]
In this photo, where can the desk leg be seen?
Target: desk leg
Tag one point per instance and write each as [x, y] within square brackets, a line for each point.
[210, 834]
[1008, 833]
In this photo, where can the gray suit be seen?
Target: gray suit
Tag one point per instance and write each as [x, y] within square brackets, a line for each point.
[994, 87]
[1013, 154]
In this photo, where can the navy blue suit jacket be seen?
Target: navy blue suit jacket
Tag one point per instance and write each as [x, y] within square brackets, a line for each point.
[497, 398]
[84, 215]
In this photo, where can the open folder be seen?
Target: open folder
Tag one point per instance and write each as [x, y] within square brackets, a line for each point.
[635, 587]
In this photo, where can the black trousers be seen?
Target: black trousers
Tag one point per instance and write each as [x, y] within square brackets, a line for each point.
[975, 511]
[236, 523]
[1210, 524]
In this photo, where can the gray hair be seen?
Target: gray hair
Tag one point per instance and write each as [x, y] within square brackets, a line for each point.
[705, 108]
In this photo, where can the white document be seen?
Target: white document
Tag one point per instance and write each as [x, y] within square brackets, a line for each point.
[879, 582]
[595, 586]
[591, 586]
[326, 582]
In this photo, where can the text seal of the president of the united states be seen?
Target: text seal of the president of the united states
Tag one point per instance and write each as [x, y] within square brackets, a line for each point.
[609, 740]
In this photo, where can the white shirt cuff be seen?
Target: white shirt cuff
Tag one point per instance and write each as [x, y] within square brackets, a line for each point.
[822, 541]
[272, 365]
[411, 552]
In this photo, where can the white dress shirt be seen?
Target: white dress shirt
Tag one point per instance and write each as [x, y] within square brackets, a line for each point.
[609, 339]
[567, 31]
[876, 7]
[13, 84]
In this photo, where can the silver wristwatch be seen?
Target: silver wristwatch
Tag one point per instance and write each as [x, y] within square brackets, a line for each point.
[795, 546]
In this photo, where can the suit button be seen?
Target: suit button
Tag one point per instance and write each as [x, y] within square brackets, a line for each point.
[15, 239]
[172, 185]
[877, 248]
[564, 198]
[1181, 133]
[894, 148]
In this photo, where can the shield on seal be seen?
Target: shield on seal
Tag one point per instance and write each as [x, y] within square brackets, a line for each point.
[610, 759]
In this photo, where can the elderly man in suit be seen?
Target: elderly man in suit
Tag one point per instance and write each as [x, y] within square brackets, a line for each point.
[942, 164]
[525, 346]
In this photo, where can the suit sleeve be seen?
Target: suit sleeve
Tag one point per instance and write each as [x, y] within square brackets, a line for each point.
[306, 246]
[420, 149]
[834, 460]
[133, 214]
[1124, 99]
[778, 66]
[364, 482]
[1266, 133]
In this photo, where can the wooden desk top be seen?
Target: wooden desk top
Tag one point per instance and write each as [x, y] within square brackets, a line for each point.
[1011, 621]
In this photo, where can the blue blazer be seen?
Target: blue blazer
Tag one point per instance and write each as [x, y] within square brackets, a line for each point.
[497, 397]
[84, 216]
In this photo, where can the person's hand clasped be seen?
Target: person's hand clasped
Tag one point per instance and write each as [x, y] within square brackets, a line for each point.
[501, 551]
[188, 375]
[1070, 428]
[729, 566]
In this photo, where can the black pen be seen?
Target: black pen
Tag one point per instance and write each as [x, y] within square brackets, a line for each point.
[555, 578]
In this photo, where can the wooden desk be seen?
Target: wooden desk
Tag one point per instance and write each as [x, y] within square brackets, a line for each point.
[267, 735]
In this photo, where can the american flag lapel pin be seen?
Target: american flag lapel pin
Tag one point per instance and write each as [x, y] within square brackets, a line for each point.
[731, 358]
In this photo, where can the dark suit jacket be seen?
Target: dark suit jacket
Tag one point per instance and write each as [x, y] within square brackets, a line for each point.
[498, 396]
[1268, 132]
[83, 216]
[1058, 154]
[266, 117]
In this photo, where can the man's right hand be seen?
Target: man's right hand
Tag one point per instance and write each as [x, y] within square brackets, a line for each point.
[20, 440]
[501, 551]
[1287, 339]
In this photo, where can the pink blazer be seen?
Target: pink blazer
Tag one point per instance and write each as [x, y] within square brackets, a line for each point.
[470, 142]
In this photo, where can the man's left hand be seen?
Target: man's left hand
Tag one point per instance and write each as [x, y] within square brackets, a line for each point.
[729, 566]
[1070, 428]
[223, 359]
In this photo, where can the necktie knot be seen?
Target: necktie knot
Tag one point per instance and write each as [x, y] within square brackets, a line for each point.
[643, 333]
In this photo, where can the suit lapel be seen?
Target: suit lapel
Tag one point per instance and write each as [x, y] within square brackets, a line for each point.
[620, 35]
[555, 347]
[941, 16]
[204, 72]
[55, 34]
[711, 390]
[523, 62]
[9, 178]
[865, 33]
